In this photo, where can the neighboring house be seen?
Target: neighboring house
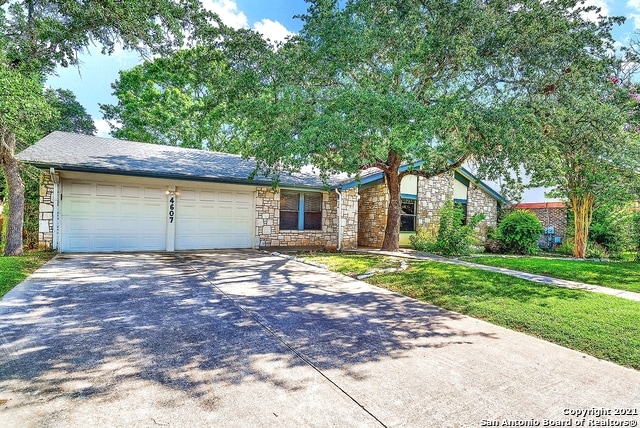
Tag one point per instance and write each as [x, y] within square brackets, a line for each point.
[101, 194]
[553, 216]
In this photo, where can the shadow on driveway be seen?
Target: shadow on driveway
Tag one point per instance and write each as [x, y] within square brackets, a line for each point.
[235, 338]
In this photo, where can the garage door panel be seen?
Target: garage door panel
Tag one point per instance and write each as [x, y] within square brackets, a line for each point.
[130, 192]
[104, 190]
[207, 196]
[79, 206]
[187, 195]
[112, 217]
[208, 219]
[244, 198]
[81, 189]
[243, 212]
[155, 193]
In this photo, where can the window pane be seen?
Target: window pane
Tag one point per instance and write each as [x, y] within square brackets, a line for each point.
[289, 201]
[288, 220]
[312, 221]
[407, 223]
[409, 206]
[313, 202]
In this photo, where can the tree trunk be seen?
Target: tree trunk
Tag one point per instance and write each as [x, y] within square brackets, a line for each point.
[394, 211]
[582, 214]
[11, 170]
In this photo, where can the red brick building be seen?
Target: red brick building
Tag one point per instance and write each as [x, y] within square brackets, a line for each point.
[551, 215]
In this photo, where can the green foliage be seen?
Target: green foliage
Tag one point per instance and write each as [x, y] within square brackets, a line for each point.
[612, 227]
[596, 251]
[43, 34]
[71, 115]
[519, 232]
[23, 108]
[424, 240]
[636, 234]
[31, 179]
[453, 238]
[565, 248]
[178, 100]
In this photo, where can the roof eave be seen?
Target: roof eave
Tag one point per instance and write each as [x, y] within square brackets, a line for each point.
[134, 173]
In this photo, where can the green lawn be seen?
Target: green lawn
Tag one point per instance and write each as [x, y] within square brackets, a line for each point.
[600, 325]
[352, 264]
[15, 269]
[619, 275]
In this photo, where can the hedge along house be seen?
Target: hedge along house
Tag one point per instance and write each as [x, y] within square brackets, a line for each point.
[422, 200]
[100, 194]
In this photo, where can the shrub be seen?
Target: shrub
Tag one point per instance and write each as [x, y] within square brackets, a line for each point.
[519, 232]
[453, 238]
[596, 251]
[566, 248]
[423, 241]
[636, 234]
[611, 227]
[492, 242]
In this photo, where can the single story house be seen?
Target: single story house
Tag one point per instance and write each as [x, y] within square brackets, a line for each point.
[101, 194]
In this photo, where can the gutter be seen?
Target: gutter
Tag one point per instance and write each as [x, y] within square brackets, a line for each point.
[181, 177]
[56, 181]
[339, 219]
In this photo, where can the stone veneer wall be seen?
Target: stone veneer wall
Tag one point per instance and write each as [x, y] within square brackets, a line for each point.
[372, 215]
[268, 222]
[432, 194]
[45, 228]
[479, 201]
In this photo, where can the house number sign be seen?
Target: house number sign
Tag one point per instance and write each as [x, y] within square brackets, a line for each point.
[172, 207]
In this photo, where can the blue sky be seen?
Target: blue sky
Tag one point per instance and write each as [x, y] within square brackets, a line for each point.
[91, 82]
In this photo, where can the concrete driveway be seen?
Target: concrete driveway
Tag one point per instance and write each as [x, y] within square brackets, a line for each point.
[244, 338]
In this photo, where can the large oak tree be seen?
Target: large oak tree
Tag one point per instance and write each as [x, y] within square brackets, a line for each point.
[378, 84]
[370, 85]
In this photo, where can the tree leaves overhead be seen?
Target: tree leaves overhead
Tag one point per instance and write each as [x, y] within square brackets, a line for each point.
[71, 115]
[44, 34]
[176, 100]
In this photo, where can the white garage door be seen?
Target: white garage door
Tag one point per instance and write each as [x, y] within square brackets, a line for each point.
[207, 219]
[98, 216]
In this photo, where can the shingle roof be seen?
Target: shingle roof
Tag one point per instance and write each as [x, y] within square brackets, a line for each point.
[77, 152]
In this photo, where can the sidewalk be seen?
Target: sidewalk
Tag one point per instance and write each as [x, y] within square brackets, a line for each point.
[418, 255]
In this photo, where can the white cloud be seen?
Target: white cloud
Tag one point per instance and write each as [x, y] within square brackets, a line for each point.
[634, 5]
[272, 30]
[103, 128]
[602, 4]
[228, 12]
[230, 15]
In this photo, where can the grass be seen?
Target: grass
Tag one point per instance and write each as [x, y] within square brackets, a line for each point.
[351, 264]
[13, 270]
[619, 275]
[600, 325]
